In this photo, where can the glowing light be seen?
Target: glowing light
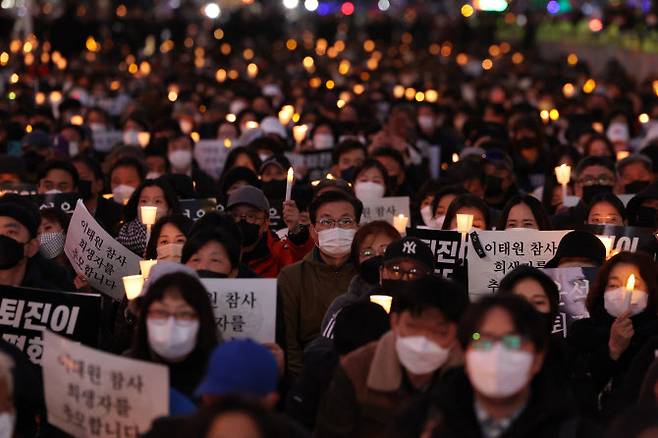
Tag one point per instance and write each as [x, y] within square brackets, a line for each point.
[595, 25]
[589, 86]
[172, 95]
[77, 120]
[554, 114]
[291, 44]
[330, 84]
[347, 8]
[145, 68]
[4, 58]
[231, 118]
[553, 7]
[410, 93]
[308, 62]
[572, 59]
[643, 118]
[544, 114]
[398, 91]
[487, 64]
[218, 34]
[492, 5]
[13, 78]
[290, 4]
[195, 136]
[212, 11]
[462, 59]
[311, 5]
[383, 5]
[467, 11]
[220, 75]
[568, 90]
[40, 98]
[431, 96]
[654, 85]
[344, 67]
[252, 70]
[517, 58]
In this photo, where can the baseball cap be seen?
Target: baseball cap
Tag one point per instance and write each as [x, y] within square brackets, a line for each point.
[239, 367]
[579, 244]
[278, 160]
[38, 139]
[21, 210]
[409, 248]
[249, 195]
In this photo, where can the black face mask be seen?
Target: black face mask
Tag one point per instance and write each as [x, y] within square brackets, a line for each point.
[32, 161]
[347, 174]
[84, 189]
[636, 186]
[11, 252]
[370, 269]
[250, 233]
[526, 143]
[647, 217]
[590, 192]
[392, 181]
[493, 186]
[275, 189]
[204, 273]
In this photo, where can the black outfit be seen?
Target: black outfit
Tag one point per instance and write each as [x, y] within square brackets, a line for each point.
[589, 339]
[42, 273]
[549, 412]
[108, 214]
[204, 185]
[566, 220]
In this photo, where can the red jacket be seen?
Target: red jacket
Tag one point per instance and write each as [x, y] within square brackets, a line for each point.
[278, 254]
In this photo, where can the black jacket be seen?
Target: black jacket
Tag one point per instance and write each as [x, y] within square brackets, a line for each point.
[568, 219]
[108, 214]
[42, 273]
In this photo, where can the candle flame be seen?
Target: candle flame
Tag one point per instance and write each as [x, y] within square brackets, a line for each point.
[630, 283]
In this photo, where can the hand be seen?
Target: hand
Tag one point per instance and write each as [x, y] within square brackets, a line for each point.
[621, 333]
[278, 356]
[291, 215]
[81, 284]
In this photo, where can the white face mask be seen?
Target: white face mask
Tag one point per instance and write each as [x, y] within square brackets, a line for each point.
[437, 222]
[51, 244]
[160, 212]
[122, 193]
[74, 148]
[336, 242]
[180, 159]
[426, 214]
[498, 372]
[7, 424]
[170, 339]
[419, 355]
[153, 175]
[367, 190]
[323, 141]
[170, 251]
[53, 192]
[426, 122]
[618, 301]
[131, 137]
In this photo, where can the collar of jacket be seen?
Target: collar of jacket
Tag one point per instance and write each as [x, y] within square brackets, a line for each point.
[385, 370]
[314, 258]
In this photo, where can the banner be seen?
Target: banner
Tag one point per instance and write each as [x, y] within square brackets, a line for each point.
[622, 238]
[504, 251]
[211, 155]
[25, 313]
[314, 164]
[96, 255]
[445, 245]
[244, 308]
[385, 209]
[63, 201]
[195, 209]
[94, 394]
[573, 286]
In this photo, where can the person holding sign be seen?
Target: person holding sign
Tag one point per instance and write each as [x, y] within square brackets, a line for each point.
[623, 308]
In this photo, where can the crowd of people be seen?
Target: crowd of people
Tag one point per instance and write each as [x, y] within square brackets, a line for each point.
[416, 107]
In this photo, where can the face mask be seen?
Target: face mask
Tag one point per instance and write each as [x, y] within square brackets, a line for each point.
[170, 251]
[74, 148]
[419, 355]
[97, 127]
[7, 423]
[426, 214]
[250, 233]
[274, 189]
[53, 192]
[11, 252]
[323, 141]
[493, 186]
[131, 137]
[347, 174]
[426, 123]
[369, 190]
[370, 269]
[336, 242]
[590, 192]
[616, 301]
[170, 339]
[263, 157]
[636, 186]
[437, 222]
[51, 244]
[160, 212]
[498, 372]
[122, 193]
[180, 159]
[153, 175]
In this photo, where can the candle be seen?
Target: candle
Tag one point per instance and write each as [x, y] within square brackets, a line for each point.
[145, 266]
[299, 133]
[286, 113]
[563, 175]
[607, 242]
[291, 176]
[400, 223]
[149, 214]
[133, 286]
[464, 223]
[251, 124]
[630, 286]
[143, 138]
[622, 154]
[383, 300]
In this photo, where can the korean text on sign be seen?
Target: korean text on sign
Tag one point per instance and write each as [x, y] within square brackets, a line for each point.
[385, 209]
[244, 308]
[445, 246]
[96, 255]
[90, 393]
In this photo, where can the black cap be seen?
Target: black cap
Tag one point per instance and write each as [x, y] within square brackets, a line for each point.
[410, 248]
[21, 210]
[581, 244]
[278, 160]
[38, 139]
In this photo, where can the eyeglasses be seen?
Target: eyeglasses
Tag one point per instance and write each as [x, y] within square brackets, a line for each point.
[345, 222]
[161, 316]
[604, 180]
[372, 252]
[398, 273]
[252, 218]
[486, 342]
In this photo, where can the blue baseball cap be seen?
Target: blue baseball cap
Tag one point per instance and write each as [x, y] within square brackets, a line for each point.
[240, 367]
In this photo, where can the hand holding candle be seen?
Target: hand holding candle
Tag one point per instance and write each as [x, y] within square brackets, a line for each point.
[630, 286]
[291, 176]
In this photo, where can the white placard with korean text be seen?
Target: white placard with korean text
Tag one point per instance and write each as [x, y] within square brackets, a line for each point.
[90, 393]
[96, 255]
[505, 250]
[385, 209]
[244, 308]
[211, 156]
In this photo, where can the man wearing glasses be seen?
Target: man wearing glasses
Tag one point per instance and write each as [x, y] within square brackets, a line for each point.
[262, 251]
[308, 287]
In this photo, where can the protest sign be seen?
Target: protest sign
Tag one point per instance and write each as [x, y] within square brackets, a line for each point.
[195, 209]
[105, 140]
[63, 201]
[385, 209]
[90, 393]
[622, 238]
[25, 313]
[244, 308]
[316, 163]
[96, 255]
[276, 214]
[445, 246]
[18, 188]
[211, 155]
[572, 201]
[505, 250]
[573, 286]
